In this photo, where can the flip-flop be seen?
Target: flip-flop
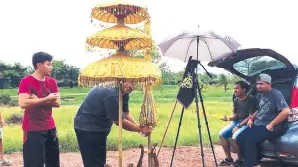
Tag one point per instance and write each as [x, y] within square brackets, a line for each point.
[5, 162]
[226, 162]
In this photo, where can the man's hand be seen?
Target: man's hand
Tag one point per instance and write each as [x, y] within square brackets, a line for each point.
[250, 123]
[2, 122]
[235, 129]
[225, 118]
[146, 130]
[53, 97]
[269, 127]
[50, 102]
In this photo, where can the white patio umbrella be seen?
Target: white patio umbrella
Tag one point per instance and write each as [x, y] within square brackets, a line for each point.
[201, 46]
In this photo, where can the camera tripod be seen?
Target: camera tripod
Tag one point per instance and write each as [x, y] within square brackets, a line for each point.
[194, 89]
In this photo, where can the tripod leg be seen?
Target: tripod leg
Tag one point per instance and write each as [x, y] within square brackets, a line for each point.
[164, 135]
[180, 122]
[199, 125]
[206, 121]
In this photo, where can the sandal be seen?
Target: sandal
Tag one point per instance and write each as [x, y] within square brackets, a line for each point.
[5, 162]
[226, 162]
[237, 163]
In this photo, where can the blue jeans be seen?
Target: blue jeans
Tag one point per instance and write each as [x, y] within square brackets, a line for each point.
[227, 131]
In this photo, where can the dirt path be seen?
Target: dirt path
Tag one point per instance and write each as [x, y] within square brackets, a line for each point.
[184, 157]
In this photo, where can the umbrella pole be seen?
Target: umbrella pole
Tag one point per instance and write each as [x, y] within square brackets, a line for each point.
[149, 151]
[195, 88]
[120, 128]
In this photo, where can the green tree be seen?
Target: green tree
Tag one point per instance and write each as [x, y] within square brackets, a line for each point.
[155, 56]
[264, 64]
[205, 79]
[11, 75]
[66, 75]
[223, 80]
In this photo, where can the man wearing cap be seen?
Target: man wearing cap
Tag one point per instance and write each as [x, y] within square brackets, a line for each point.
[267, 123]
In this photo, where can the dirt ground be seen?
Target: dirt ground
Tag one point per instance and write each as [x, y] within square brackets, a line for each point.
[184, 157]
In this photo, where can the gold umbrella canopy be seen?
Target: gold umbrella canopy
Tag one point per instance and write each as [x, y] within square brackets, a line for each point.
[120, 36]
[120, 11]
[120, 67]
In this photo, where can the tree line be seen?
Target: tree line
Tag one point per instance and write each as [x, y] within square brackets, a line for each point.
[67, 75]
[11, 74]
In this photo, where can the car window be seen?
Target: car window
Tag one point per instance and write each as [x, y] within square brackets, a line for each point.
[255, 65]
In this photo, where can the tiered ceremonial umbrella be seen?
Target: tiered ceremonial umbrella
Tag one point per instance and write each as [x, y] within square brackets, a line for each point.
[112, 12]
[120, 36]
[120, 67]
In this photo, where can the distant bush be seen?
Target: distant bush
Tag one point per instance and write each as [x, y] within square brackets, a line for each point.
[7, 100]
[15, 118]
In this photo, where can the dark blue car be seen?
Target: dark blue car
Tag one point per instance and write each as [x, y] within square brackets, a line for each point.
[248, 64]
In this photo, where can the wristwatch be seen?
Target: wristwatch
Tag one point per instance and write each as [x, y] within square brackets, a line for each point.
[239, 126]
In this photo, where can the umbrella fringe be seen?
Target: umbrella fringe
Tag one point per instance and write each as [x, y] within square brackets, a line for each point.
[148, 115]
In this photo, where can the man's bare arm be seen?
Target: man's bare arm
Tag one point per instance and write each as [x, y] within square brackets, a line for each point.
[127, 125]
[26, 102]
[233, 117]
[251, 119]
[283, 115]
[254, 116]
[129, 117]
[244, 122]
[55, 103]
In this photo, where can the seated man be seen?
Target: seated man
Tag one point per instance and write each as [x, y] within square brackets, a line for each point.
[243, 107]
[269, 123]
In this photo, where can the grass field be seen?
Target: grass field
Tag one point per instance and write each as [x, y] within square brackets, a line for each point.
[217, 103]
[162, 94]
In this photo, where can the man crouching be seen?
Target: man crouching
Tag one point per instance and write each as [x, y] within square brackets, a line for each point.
[94, 119]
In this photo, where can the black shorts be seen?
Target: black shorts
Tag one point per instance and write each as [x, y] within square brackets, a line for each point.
[41, 148]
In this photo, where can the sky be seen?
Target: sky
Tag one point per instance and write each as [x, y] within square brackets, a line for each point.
[60, 27]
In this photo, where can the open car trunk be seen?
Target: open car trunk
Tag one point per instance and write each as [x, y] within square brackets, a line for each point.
[249, 63]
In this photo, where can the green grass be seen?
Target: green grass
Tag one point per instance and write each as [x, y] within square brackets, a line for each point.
[188, 133]
[162, 94]
[217, 102]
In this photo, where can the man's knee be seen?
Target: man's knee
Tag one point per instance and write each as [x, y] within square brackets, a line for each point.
[225, 133]
[240, 138]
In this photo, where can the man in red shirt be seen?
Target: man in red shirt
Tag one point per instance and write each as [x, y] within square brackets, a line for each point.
[38, 93]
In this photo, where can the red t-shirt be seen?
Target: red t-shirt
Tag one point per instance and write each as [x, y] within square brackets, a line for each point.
[39, 117]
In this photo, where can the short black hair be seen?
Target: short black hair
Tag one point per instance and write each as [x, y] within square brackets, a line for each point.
[243, 84]
[40, 57]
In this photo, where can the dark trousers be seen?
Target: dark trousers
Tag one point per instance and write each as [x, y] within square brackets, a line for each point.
[41, 148]
[249, 142]
[93, 147]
